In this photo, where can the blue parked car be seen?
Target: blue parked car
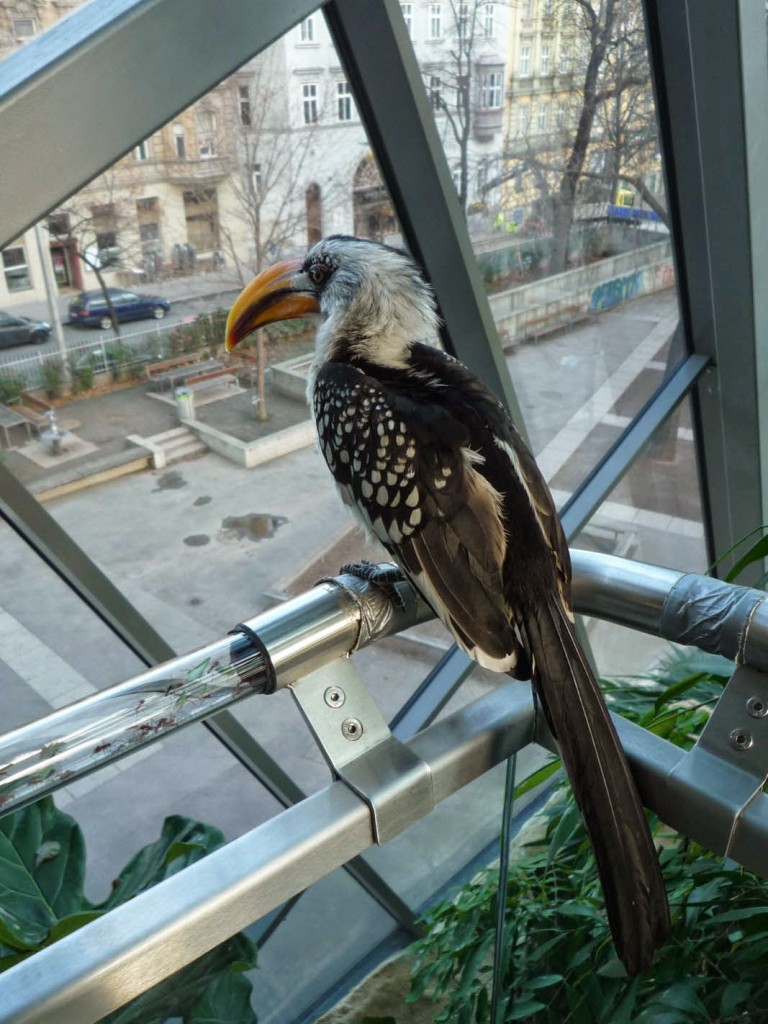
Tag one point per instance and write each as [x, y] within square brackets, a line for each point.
[89, 309]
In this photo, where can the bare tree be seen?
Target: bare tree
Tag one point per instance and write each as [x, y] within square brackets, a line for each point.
[455, 82]
[98, 226]
[606, 131]
[269, 177]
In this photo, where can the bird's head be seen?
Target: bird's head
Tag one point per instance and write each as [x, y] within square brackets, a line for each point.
[373, 300]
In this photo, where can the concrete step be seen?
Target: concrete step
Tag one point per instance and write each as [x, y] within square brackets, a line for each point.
[170, 435]
[173, 445]
[185, 451]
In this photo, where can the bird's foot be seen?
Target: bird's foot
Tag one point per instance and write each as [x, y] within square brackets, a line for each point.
[385, 576]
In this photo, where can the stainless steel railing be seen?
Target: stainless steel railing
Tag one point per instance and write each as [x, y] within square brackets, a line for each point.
[713, 793]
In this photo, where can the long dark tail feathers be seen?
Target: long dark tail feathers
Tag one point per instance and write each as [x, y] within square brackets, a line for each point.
[633, 887]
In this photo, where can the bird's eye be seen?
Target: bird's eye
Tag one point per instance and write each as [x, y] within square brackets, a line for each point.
[318, 273]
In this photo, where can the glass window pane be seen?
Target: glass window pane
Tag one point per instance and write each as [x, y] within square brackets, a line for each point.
[654, 513]
[175, 498]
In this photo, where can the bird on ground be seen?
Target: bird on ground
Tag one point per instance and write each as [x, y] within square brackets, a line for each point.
[430, 463]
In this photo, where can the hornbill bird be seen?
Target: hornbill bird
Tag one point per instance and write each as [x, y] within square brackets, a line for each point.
[430, 463]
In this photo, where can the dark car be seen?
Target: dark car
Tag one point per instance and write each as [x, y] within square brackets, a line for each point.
[19, 330]
[89, 309]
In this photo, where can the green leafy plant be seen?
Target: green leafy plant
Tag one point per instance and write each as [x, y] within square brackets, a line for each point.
[11, 386]
[119, 359]
[52, 373]
[559, 963]
[757, 552]
[42, 899]
[81, 374]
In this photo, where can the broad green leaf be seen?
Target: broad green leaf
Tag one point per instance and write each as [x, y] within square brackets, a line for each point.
[624, 1012]
[683, 996]
[523, 1009]
[735, 547]
[569, 822]
[69, 924]
[756, 553]
[25, 916]
[178, 995]
[739, 915]
[538, 777]
[543, 981]
[227, 1000]
[50, 844]
[734, 995]
[164, 857]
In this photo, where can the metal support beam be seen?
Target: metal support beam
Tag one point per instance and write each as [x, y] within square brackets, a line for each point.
[78, 97]
[161, 930]
[378, 57]
[711, 71]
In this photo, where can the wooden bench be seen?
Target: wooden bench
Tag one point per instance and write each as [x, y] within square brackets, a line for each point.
[174, 363]
[34, 410]
[203, 381]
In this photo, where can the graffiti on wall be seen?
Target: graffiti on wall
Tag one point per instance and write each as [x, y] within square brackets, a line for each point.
[613, 293]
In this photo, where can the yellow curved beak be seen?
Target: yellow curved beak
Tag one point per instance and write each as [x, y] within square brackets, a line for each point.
[279, 293]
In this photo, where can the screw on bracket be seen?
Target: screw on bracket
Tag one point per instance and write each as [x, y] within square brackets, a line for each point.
[352, 728]
[334, 696]
[757, 707]
[741, 739]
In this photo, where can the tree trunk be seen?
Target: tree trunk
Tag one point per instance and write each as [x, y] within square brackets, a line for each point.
[261, 377]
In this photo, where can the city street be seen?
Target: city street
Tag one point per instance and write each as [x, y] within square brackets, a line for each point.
[189, 297]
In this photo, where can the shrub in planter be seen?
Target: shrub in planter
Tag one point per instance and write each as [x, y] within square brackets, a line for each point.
[11, 386]
[42, 898]
[559, 963]
[52, 374]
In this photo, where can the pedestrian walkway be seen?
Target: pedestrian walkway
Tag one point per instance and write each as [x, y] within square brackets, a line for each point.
[41, 668]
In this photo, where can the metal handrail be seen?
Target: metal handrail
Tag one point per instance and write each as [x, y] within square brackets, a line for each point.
[113, 959]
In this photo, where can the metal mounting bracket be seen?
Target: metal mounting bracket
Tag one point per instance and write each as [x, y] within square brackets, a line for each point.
[732, 755]
[360, 749]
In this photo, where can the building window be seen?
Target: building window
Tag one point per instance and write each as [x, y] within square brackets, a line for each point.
[562, 115]
[201, 212]
[23, 29]
[244, 105]
[309, 93]
[435, 21]
[435, 91]
[141, 152]
[546, 59]
[256, 177]
[565, 60]
[407, 10]
[522, 120]
[491, 90]
[548, 8]
[344, 101]
[206, 134]
[178, 141]
[15, 268]
[528, 8]
[525, 61]
[307, 30]
[148, 216]
[489, 24]
[543, 119]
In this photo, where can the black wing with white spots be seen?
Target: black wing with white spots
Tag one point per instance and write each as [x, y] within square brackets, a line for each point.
[407, 465]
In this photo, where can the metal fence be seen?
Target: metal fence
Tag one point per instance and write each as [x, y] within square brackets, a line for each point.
[99, 353]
